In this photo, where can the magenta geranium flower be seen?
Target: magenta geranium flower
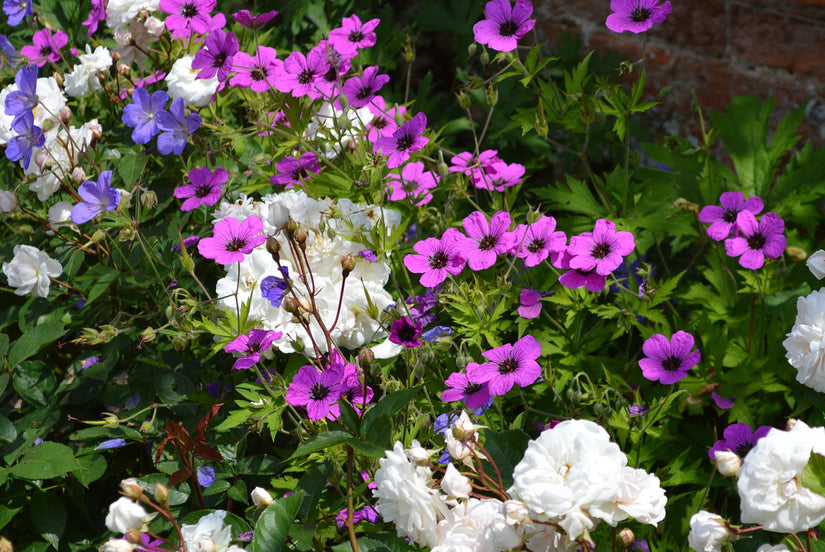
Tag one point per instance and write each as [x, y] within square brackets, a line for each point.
[204, 188]
[353, 35]
[191, 15]
[406, 332]
[539, 240]
[407, 138]
[231, 240]
[757, 240]
[668, 361]
[383, 122]
[294, 171]
[509, 364]
[437, 257]
[256, 72]
[300, 72]
[97, 15]
[45, 47]
[738, 438]
[361, 90]
[468, 163]
[504, 25]
[636, 16]
[575, 278]
[413, 184]
[462, 389]
[250, 346]
[498, 176]
[723, 219]
[245, 18]
[317, 391]
[486, 241]
[601, 250]
[529, 303]
[216, 56]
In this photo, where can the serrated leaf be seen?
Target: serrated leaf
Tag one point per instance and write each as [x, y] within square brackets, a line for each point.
[30, 343]
[47, 460]
[272, 528]
[813, 476]
[320, 442]
[130, 167]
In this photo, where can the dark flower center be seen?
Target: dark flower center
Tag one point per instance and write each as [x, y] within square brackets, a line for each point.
[671, 363]
[409, 185]
[508, 28]
[219, 60]
[253, 347]
[379, 123]
[258, 74]
[406, 333]
[729, 216]
[535, 246]
[235, 244]
[318, 392]
[639, 14]
[298, 173]
[471, 388]
[601, 250]
[189, 10]
[46, 51]
[305, 77]
[743, 449]
[757, 241]
[405, 141]
[487, 242]
[356, 36]
[364, 93]
[331, 75]
[438, 260]
[507, 366]
[202, 190]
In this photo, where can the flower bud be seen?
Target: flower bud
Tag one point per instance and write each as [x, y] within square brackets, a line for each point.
[463, 99]
[116, 55]
[727, 462]
[455, 484]
[300, 236]
[95, 128]
[132, 536]
[147, 335]
[273, 247]
[491, 95]
[261, 497]
[291, 305]
[110, 420]
[59, 78]
[484, 58]
[179, 342]
[471, 49]
[149, 199]
[112, 545]
[124, 69]
[409, 51]
[161, 493]
[8, 201]
[147, 427]
[682, 203]
[347, 264]
[65, 114]
[186, 261]
[626, 536]
[343, 100]
[298, 345]
[417, 453]
[107, 333]
[78, 175]
[131, 488]
[796, 254]
[365, 359]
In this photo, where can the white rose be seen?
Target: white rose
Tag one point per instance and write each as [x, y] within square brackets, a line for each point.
[476, 526]
[455, 484]
[773, 548]
[816, 264]
[182, 83]
[8, 201]
[83, 77]
[708, 532]
[30, 269]
[727, 462]
[640, 496]
[261, 497]
[805, 344]
[208, 534]
[118, 545]
[125, 514]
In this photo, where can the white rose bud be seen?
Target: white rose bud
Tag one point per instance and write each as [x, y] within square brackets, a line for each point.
[626, 536]
[455, 484]
[708, 532]
[418, 454]
[118, 545]
[8, 201]
[773, 548]
[154, 26]
[125, 514]
[516, 512]
[727, 462]
[261, 497]
[816, 264]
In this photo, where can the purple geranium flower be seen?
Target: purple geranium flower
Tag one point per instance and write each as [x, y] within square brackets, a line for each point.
[601, 250]
[472, 166]
[668, 361]
[575, 278]
[216, 55]
[204, 188]
[361, 90]
[437, 257]
[188, 14]
[367, 513]
[45, 47]
[9, 56]
[406, 332]
[24, 99]
[273, 287]
[498, 176]
[295, 171]
[256, 72]
[739, 439]
[231, 240]
[636, 16]
[142, 114]
[205, 475]
[413, 184]
[17, 10]
[529, 303]
[317, 391]
[407, 138]
[300, 73]
[353, 35]
[250, 346]
[421, 307]
[722, 402]
[723, 219]
[462, 389]
[97, 197]
[245, 18]
[383, 122]
[509, 364]
[175, 128]
[436, 332]
[504, 25]
[97, 15]
[757, 240]
[485, 241]
[539, 240]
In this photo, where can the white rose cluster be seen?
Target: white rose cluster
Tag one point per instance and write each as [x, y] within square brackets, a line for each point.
[805, 344]
[209, 534]
[333, 230]
[573, 475]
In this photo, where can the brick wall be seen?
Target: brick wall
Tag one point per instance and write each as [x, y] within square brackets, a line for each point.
[720, 48]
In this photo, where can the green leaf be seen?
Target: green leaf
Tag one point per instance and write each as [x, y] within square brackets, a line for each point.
[131, 165]
[47, 460]
[48, 516]
[506, 449]
[272, 528]
[35, 382]
[92, 468]
[320, 442]
[313, 484]
[7, 514]
[30, 343]
[377, 543]
[813, 476]
[8, 432]
[4, 346]
[387, 406]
